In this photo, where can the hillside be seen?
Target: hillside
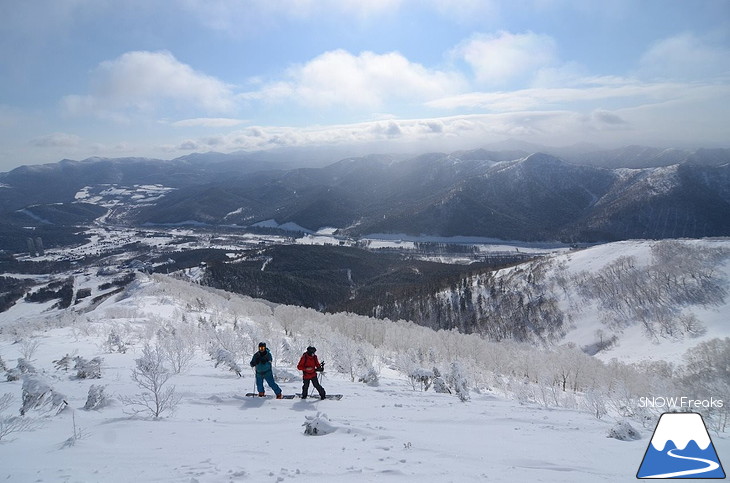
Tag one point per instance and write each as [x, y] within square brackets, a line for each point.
[610, 300]
[339, 278]
[505, 398]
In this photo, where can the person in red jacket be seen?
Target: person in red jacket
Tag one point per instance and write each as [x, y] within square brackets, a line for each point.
[310, 366]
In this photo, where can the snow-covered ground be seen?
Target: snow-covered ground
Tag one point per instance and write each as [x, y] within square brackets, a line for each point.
[384, 433]
[633, 344]
[388, 432]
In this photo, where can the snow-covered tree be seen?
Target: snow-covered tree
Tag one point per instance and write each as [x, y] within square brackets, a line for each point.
[225, 358]
[96, 397]
[88, 369]
[706, 374]
[28, 348]
[23, 367]
[115, 343]
[64, 363]
[151, 375]
[179, 350]
[456, 378]
[37, 394]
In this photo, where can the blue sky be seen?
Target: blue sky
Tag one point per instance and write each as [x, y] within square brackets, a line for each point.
[82, 78]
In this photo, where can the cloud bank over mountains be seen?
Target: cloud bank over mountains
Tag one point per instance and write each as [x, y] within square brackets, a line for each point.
[387, 74]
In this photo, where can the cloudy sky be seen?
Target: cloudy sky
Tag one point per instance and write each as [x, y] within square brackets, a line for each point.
[158, 78]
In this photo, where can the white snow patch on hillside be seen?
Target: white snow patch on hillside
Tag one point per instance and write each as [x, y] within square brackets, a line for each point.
[634, 345]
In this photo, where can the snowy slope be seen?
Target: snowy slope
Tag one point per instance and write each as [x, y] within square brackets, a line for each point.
[388, 432]
[633, 343]
[384, 433]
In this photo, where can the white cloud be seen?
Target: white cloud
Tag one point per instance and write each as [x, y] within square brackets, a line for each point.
[506, 57]
[685, 57]
[213, 122]
[56, 140]
[593, 90]
[144, 81]
[421, 134]
[341, 79]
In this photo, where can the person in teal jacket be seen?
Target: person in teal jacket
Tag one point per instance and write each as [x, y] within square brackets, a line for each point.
[261, 361]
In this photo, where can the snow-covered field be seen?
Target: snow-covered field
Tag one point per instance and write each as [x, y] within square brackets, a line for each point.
[384, 432]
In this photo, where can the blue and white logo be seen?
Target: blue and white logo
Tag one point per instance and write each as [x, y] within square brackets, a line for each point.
[681, 448]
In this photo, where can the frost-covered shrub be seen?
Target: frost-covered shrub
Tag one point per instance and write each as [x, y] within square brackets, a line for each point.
[28, 348]
[25, 367]
[439, 385]
[179, 351]
[282, 375]
[37, 394]
[288, 353]
[706, 374]
[457, 379]
[152, 376]
[63, 363]
[420, 377]
[88, 369]
[370, 377]
[12, 424]
[114, 343]
[226, 358]
[623, 431]
[3, 367]
[96, 398]
[595, 402]
[350, 356]
[318, 425]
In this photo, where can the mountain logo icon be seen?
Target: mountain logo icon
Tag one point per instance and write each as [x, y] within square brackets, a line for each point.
[681, 448]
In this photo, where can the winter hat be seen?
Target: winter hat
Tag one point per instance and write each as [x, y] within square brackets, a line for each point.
[311, 350]
[262, 344]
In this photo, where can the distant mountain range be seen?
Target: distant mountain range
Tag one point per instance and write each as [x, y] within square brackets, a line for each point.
[571, 194]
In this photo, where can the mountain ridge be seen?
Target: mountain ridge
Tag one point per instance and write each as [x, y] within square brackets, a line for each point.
[534, 197]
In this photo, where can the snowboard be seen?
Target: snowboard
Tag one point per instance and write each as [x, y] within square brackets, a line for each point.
[336, 397]
[271, 396]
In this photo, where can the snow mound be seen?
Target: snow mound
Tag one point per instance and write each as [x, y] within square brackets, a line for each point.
[318, 425]
[623, 431]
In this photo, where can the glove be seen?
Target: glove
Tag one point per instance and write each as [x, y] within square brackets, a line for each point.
[319, 369]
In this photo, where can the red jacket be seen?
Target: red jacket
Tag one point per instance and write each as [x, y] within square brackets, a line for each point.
[309, 364]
